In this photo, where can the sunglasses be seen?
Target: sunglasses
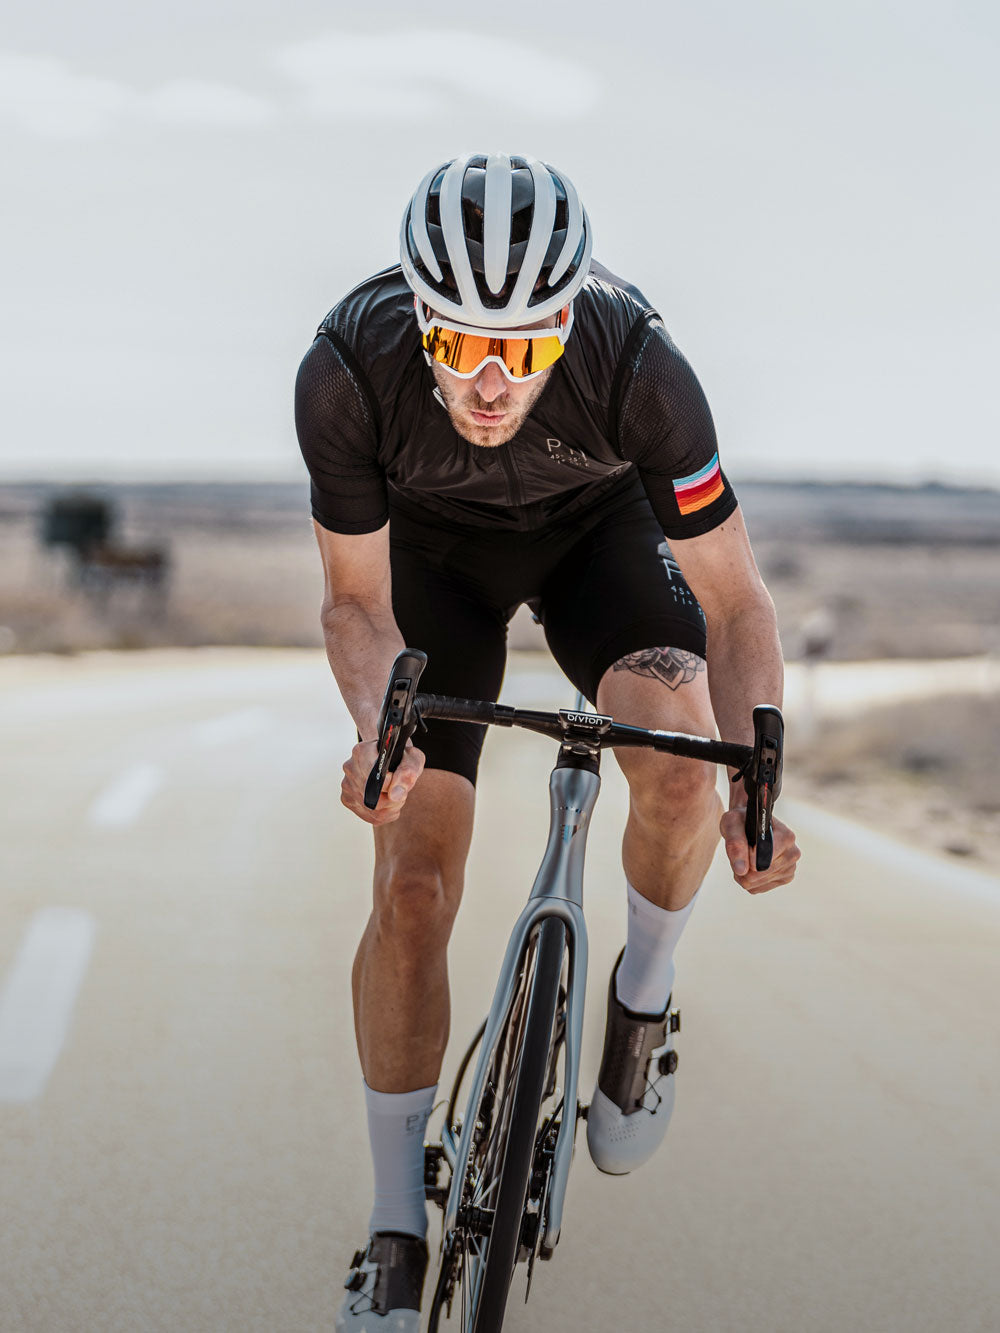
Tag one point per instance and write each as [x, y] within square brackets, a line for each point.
[520, 353]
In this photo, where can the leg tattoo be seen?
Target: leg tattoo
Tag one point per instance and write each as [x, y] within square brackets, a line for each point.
[673, 666]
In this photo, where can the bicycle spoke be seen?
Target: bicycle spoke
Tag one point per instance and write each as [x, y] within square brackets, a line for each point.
[484, 1196]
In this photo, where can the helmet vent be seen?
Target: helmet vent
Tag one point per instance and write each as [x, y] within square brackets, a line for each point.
[521, 224]
[472, 216]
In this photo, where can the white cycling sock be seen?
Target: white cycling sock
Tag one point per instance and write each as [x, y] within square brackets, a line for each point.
[396, 1125]
[646, 973]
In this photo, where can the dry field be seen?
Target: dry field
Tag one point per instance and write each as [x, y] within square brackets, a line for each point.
[926, 771]
[856, 573]
[242, 570]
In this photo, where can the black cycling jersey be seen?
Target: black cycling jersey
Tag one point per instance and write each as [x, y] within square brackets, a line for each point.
[371, 423]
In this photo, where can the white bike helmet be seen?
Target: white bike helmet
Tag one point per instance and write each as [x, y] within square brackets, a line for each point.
[495, 241]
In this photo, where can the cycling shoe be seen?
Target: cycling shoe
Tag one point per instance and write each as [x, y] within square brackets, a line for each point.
[634, 1096]
[384, 1286]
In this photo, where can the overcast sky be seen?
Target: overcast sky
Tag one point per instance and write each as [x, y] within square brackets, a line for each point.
[808, 192]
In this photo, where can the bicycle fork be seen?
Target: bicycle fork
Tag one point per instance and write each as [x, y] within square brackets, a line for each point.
[557, 892]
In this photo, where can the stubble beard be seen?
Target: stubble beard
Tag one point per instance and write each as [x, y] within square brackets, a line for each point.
[460, 401]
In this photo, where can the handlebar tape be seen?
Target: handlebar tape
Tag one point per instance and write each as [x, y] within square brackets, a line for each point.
[464, 710]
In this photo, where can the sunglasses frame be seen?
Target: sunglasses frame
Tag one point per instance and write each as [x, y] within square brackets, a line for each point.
[426, 324]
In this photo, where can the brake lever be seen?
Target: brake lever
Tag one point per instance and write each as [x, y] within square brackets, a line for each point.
[397, 720]
[763, 780]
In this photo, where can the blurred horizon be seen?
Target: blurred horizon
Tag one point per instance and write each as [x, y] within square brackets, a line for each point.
[293, 476]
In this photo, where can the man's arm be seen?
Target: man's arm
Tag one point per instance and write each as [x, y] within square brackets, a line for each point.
[744, 655]
[362, 640]
[359, 629]
[744, 669]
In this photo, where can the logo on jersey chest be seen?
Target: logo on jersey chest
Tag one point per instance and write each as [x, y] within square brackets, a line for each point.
[567, 454]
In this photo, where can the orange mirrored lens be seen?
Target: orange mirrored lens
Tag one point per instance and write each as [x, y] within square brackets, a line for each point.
[466, 352]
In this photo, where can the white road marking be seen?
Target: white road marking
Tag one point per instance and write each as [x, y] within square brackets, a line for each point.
[237, 726]
[37, 1001]
[123, 801]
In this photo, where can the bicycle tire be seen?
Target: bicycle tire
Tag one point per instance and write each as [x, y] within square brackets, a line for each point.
[528, 1078]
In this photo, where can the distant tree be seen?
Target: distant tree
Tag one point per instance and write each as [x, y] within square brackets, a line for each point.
[79, 520]
[83, 523]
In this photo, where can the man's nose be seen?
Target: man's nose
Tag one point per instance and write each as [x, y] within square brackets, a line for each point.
[490, 382]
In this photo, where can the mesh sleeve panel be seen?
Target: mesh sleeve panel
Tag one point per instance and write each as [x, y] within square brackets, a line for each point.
[338, 438]
[665, 427]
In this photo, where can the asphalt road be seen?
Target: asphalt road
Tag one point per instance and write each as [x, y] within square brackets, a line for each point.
[182, 1140]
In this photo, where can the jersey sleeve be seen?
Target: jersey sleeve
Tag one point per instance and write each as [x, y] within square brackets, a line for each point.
[665, 427]
[338, 436]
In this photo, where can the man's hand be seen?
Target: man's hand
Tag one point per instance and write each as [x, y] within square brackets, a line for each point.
[394, 792]
[742, 857]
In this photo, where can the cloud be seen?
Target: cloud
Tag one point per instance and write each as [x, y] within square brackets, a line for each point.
[337, 76]
[421, 74]
[188, 101]
[48, 97]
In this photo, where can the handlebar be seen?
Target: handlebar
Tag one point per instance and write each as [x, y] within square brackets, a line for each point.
[759, 765]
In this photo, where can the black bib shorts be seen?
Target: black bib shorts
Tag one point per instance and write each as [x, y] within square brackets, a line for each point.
[597, 582]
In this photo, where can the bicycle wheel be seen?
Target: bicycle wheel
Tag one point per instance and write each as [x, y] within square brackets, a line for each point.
[508, 1118]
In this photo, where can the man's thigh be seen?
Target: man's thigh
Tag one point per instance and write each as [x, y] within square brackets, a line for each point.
[614, 595]
[660, 687]
[463, 631]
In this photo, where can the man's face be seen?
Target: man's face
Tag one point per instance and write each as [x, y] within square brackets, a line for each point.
[490, 409]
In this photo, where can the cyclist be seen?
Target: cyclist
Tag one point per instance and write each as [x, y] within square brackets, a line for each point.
[499, 420]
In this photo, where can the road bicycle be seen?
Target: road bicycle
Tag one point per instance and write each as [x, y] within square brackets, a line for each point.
[506, 1158]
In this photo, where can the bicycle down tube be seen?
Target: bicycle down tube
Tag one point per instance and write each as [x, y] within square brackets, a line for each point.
[557, 892]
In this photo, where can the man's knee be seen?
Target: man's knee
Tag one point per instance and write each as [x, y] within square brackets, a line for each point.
[415, 902]
[667, 789]
[420, 862]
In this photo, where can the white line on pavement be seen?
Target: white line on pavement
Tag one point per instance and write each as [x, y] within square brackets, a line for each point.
[123, 800]
[37, 1001]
